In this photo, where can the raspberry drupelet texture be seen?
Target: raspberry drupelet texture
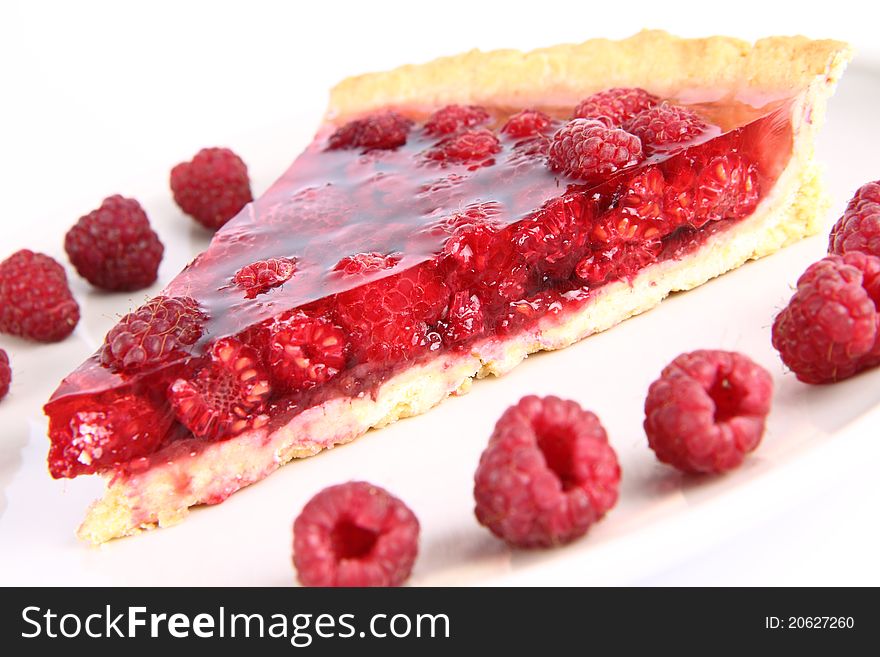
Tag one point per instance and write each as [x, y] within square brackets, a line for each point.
[355, 534]
[527, 123]
[213, 187]
[151, 335]
[5, 374]
[453, 118]
[859, 227]
[476, 145]
[382, 131]
[707, 410]
[665, 124]
[829, 329]
[547, 475]
[35, 300]
[615, 106]
[114, 248]
[228, 394]
[388, 320]
[304, 352]
[587, 149]
[261, 276]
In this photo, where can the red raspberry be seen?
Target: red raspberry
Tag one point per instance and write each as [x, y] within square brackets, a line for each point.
[35, 301]
[859, 227]
[555, 236]
[453, 118]
[585, 149]
[114, 248]
[707, 410]
[623, 260]
[829, 329]
[153, 334]
[304, 352]
[383, 131]
[92, 434]
[615, 106]
[666, 124]
[387, 319]
[482, 257]
[465, 318]
[679, 197]
[261, 276]
[5, 374]
[228, 394]
[478, 145]
[527, 123]
[547, 474]
[726, 188]
[367, 263]
[355, 534]
[213, 187]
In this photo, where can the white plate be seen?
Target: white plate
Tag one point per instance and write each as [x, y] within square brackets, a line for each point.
[818, 438]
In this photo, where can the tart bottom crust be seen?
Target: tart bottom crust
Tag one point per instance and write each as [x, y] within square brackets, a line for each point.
[162, 495]
[156, 498]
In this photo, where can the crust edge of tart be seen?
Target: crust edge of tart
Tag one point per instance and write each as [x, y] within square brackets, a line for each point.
[568, 72]
[792, 210]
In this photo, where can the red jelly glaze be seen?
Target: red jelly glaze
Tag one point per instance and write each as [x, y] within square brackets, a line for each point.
[468, 248]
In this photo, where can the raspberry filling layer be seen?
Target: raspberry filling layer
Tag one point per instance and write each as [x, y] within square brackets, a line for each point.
[402, 235]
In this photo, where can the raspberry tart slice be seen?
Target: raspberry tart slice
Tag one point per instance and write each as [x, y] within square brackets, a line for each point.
[448, 220]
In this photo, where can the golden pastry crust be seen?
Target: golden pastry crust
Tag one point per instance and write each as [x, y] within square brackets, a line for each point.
[808, 70]
[657, 61]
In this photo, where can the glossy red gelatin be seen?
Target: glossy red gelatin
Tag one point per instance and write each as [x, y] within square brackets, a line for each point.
[361, 260]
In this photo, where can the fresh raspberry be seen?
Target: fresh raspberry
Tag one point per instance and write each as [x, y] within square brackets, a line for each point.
[387, 319]
[383, 131]
[476, 216]
[859, 227]
[679, 196]
[482, 257]
[5, 374]
[547, 474]
[114, 248]
[228, 394]
[829, 329]
[453, 118]
[615, 106]
[261, 276]
[478, 145]
[622, 260]
[640, 211]
[726, 188]
[367, 263]
[707, 410]
[464, 319]
[304, 352]
[555, 236]
[527, 123]
[355, 534]
[35, 301]
[213, 187]
[153, 334]
[585, 149]
[666, 124]
[92, 434]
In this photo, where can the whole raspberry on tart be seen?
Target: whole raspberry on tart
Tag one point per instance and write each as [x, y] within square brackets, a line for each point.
[442, 227]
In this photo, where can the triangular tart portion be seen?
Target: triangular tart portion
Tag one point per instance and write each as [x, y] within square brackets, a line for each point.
[448, 220]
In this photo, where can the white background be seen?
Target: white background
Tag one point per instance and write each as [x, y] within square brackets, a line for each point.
[96, 98]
